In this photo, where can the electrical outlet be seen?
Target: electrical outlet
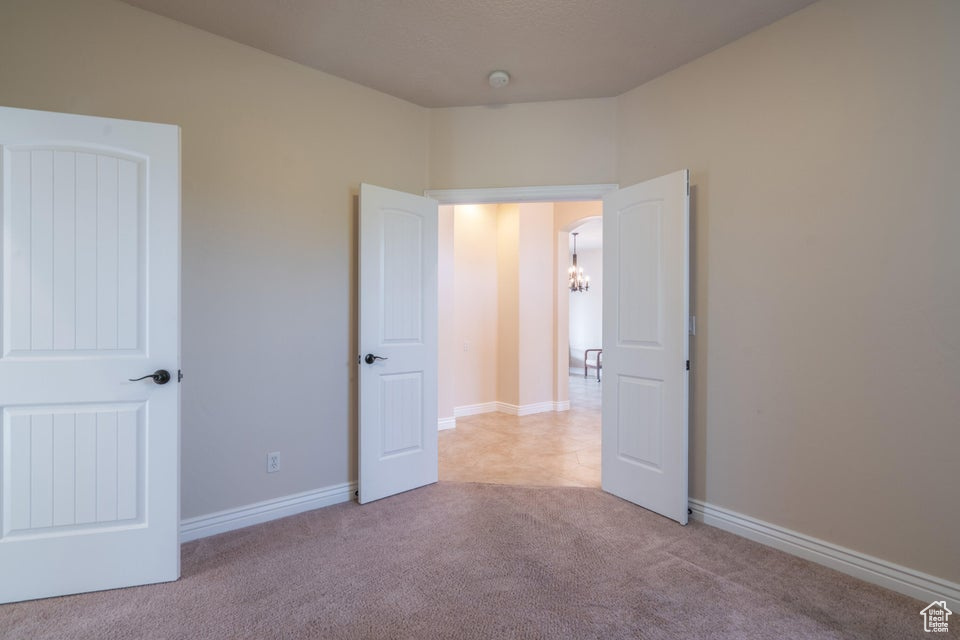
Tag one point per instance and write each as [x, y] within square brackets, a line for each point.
[273, 462]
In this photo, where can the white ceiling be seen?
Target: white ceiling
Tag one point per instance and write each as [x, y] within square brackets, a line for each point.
[438, 53]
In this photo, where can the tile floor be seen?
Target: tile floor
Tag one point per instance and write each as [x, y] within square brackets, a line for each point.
[559, 448]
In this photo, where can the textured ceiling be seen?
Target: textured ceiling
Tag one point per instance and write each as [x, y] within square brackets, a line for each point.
[438, 53]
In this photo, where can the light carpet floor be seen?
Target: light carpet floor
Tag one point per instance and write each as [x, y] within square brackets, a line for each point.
[480, 561]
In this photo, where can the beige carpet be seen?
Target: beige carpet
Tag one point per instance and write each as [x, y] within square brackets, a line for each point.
[480, 561]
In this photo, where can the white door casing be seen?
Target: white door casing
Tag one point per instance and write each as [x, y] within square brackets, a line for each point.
[89, 254]
[398, 323]
[645, 344]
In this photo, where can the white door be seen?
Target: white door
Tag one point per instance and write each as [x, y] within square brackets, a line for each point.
[398, 342]
[645, 345]
[89, 477]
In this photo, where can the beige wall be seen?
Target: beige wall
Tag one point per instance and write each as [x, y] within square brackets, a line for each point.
[446, 322]
[272, 156]
[824, 153]
[509, 339]
[543, 143]
[569, 215]
[504, 301]
[536, 289]
[475, 304]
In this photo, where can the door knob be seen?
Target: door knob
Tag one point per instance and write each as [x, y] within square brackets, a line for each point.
[160, 376]
[370, 358]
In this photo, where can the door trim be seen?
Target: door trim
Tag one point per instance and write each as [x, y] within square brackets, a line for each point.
[500, 195]
[497, 195]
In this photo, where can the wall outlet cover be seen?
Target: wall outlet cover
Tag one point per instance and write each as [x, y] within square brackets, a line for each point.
[273, 462]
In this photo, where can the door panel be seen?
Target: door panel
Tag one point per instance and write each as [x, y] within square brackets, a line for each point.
[72, 467]
[89, 466]
[398, 323]
[75, 276]
[401, 414]
[640, 283]
[645, 350]
[640, 397]
[402, 270]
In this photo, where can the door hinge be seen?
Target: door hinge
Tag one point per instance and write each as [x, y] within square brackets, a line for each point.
[179, 375]
[688, 365]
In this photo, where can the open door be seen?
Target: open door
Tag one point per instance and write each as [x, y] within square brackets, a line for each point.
[398, 342]
[90, 260]
[645, 345]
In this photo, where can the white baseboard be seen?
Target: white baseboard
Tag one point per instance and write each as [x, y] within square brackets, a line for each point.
[446, 423]
[474, 409]
[506, 407]
[892, 576]
[511, 409]
[524, 409]
[223, 521]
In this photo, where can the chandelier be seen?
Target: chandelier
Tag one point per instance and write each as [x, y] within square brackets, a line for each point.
[578, 281]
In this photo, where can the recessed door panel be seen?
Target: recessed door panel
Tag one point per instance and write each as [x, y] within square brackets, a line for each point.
[73, 253]
[640, 397]
[70, 467]
[401, 413]
[402, 277]
[640, 281]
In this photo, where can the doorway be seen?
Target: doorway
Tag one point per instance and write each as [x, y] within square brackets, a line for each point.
[510, 412]
[644, 408]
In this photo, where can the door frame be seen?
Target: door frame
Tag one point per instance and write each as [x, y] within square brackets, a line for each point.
[502, 195]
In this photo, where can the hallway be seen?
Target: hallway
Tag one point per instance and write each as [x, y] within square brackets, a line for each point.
[560, 448]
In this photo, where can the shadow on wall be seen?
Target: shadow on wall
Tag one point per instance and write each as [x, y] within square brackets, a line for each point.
[697, 398]
[354, 322]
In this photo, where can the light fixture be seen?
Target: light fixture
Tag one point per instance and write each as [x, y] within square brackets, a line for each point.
[578, 281]
[498, 79]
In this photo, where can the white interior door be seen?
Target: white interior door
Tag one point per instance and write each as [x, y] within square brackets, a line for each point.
[89, 475]
[398, 342]
[645, 345]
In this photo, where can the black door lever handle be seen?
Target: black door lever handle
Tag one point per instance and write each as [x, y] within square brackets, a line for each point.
[160, 376]
[370, 358]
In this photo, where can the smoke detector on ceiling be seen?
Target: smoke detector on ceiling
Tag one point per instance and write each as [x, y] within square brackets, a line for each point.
[499, 79]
